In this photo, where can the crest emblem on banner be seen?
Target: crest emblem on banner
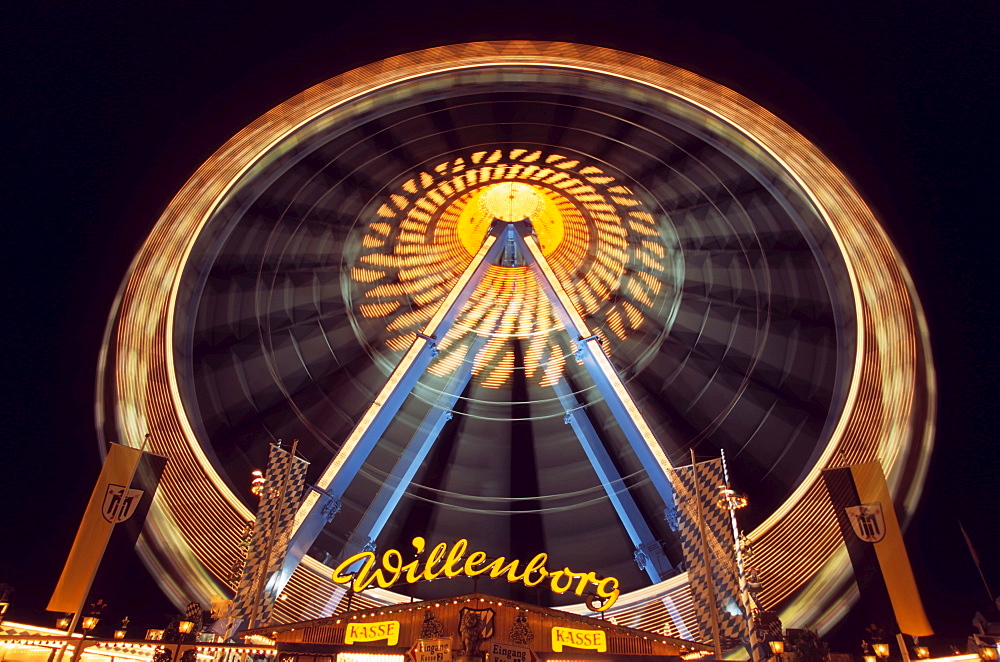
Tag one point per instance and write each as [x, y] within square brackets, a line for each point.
[120, 503]
[867, 521]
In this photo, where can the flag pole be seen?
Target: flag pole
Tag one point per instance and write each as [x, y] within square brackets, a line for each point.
[748, 605]
[713, 606]
[975, 560]
[93, 575]
[269, 549]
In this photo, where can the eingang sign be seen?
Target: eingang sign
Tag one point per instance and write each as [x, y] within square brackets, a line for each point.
[452, 562]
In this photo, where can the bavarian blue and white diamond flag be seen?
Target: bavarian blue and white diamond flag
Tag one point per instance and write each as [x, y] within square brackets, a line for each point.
[720, 543]
[279, 501]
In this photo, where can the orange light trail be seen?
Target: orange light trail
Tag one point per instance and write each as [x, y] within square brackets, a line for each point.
[445, 225]
[196, 523]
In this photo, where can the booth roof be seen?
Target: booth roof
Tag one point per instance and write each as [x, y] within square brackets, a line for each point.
[481, 599]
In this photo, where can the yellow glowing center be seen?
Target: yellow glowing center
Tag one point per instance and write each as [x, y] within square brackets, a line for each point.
[511, 202]
[588, 225]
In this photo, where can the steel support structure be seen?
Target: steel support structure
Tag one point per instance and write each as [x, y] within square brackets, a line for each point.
[323, 503]
[392, 490]
[648, 551]
[590, 353]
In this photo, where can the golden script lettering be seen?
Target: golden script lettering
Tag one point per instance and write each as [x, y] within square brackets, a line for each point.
[453, 562]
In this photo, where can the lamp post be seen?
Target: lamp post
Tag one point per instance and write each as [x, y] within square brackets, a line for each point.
[922, 652]
[257, 482]
[877, 636]
[183, 629]
[777, 647]
[122, 628]
[88, 623]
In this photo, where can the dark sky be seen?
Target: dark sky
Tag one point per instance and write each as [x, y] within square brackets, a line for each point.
[107, 110]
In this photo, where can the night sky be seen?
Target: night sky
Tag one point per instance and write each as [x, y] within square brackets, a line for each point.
[107, 111]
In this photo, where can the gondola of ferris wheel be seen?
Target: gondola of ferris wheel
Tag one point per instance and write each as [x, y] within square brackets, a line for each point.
[715, 284]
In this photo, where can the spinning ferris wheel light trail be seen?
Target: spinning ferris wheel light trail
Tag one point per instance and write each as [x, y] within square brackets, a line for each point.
[700, 256]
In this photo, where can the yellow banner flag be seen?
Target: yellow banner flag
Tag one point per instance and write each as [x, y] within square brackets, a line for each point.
[874, 541]
[113, 500]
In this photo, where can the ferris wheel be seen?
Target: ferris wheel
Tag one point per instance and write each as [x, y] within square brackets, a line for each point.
[746, 297]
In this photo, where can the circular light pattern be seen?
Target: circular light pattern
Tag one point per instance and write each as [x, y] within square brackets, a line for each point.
[597, 236]
[742, 288]
[512, 202]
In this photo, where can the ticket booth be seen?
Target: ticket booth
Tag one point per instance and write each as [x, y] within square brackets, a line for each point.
[470, 628]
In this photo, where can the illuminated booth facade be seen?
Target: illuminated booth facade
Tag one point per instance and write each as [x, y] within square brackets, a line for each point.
[743, 295]
[447, 629]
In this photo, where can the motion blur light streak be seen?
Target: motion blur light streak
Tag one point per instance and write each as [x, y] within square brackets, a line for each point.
[743, 290]
[441, 225]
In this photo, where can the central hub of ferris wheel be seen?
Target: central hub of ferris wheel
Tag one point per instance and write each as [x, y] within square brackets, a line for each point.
[511, 202]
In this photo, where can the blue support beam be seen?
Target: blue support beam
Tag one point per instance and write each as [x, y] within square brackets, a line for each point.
[395, 485]
[590, 353]
[648, 551]
[322, 504]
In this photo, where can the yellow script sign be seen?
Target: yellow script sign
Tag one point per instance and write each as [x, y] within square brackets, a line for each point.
[452, 562]
[388, 630]
[592, 639]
